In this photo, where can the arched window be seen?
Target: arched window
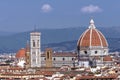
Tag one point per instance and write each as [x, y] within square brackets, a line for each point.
[33, 43]
[48, 55]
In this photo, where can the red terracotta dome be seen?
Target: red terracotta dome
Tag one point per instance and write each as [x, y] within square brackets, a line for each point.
[21, 53]
[92, 37]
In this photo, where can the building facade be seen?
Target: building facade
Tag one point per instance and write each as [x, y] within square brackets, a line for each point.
[92, 46]
[35, 49]
[57, 59]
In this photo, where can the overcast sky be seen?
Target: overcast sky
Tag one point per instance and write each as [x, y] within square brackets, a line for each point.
[23, 15]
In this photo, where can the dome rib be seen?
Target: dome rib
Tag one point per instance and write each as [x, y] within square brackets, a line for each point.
[106, 43]
[99, 38]
[90, 36]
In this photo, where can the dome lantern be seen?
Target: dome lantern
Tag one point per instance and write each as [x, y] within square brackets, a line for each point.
[92, 24]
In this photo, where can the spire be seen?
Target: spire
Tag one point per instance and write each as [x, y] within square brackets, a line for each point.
[92, 24]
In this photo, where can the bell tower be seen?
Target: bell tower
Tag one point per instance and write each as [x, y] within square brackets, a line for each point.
[35, 49]
[48, 56]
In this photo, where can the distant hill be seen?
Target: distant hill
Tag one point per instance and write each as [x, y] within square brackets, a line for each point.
[114, 45]
[59, 39]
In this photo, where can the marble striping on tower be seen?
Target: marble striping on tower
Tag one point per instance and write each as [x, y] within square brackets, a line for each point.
[35, 49]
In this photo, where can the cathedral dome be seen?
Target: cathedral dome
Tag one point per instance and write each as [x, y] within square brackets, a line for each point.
[92, 38]
[21, 53]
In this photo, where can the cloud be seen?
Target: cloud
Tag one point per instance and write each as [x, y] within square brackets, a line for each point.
[46, 8]
[91, 9]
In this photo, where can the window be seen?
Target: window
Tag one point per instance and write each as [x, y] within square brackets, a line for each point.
[48, 55]
[33, 43]
[85, 52]
[38, 43]
[63, 59]
[95, 52]
[44, 58]
[72, 59]
[54, 59]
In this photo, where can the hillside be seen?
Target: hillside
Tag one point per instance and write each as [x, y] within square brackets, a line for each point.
[114, 45]
[59, 39]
